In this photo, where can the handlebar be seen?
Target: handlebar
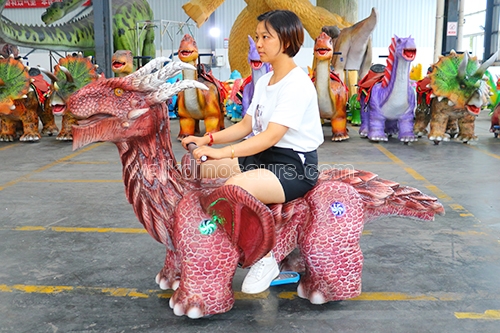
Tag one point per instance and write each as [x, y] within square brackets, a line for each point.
[191, 147]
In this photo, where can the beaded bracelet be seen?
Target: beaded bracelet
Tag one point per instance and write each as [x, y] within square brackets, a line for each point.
[211, 138]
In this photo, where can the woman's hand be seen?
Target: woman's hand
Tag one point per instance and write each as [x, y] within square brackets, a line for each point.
[199, 141]
[211, 153]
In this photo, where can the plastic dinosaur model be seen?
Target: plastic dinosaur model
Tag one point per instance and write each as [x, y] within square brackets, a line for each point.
[313, 18]
[70, 74]
[122, 63]
[389, 97]
[495, 121]
[233, 102]
[458, 91]
[258, 69]
[332, 92]
[23, 103]
[197, 104]
[78, 35]
[209, 228]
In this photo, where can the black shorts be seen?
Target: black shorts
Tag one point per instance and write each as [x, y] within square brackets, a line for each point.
[295, 177]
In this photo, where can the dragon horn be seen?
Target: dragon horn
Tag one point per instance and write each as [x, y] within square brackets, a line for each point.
[481, 70]
[66, 72]
[463, 66]
[153, 81]
[49, 74]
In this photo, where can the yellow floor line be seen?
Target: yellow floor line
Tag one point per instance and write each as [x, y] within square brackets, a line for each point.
[443, 197]
[9, 146]
[50, 165]
[488, 315]
[485, 152]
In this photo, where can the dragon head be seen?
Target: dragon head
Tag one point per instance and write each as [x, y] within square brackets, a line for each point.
[323, 47]
[188, 50]
[404, 47]
[70, 74]
[14, 83]
[461, 79]
[118, 109]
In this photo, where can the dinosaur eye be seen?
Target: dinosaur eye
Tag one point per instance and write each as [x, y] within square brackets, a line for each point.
[118, 92]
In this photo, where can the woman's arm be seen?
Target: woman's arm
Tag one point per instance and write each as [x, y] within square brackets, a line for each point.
[251, 146]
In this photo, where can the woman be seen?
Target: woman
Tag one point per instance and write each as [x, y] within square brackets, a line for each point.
[278, 163]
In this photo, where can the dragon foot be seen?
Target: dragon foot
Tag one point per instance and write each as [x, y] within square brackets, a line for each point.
[7, 137]
[65, 136]
[420, 133]
[439, 138]
[408, 138]
[165, 283]
[336, 137]
[344, 288]
[466, 138]
[378, 138]
[195, 306]
[50, 130]
[30, 137]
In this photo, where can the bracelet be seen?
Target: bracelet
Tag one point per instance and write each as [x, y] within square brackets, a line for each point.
[232, 151]
[211, 138]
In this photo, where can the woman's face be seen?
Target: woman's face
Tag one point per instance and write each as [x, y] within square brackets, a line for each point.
[268, 43]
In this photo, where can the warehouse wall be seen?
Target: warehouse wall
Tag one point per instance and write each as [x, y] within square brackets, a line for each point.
[403, 18]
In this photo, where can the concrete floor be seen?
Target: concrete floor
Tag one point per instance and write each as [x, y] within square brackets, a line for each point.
[74, 258]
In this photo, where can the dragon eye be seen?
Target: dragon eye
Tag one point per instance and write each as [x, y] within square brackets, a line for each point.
[118, 92]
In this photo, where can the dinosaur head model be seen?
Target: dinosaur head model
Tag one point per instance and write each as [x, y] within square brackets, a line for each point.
[254, 59]
[461, 79]
[108, 110]
[122, 63]
[323, 47]
[188, 50]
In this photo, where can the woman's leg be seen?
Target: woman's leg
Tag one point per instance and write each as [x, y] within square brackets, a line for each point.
[261, 183]
[223, 168]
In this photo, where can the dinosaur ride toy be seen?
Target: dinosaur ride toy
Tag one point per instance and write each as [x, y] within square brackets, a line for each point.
[24, 103]
[457, 88]
[332, 92]
[387, 98]
[196, 104]
[209, 228]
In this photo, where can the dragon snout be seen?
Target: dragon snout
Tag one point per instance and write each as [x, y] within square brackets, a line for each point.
[410, 54]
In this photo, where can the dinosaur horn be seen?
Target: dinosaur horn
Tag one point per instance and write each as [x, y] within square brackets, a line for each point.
[481, 70]
[49, 74]
[66, 72]
[153, 65]
[153, 81]
[463, 66]
[166, 90]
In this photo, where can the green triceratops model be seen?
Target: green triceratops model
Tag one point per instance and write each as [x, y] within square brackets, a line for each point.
[458, 90]
[23, 103]
[78, 35]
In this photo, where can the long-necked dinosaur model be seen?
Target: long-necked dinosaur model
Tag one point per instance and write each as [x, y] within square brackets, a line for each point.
[197, 104]
[390, 104]
[78, 35]
[209, 228]
[332, 92]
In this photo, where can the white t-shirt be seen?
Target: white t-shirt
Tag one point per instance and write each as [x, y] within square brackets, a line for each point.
[292, 102]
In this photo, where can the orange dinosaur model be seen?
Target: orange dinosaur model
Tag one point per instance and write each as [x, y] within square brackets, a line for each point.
[122, 63]
[332, 92]
[195, 104]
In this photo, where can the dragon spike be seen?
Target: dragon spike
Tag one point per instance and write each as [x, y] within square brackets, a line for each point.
[168, 90]
[155, 80]
[155, 64]
[463, 66]
[56, 86]
[66, 72]
[481, 70]
[49, 74]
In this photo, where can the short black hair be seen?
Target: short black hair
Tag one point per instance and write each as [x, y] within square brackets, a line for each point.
[288, 27]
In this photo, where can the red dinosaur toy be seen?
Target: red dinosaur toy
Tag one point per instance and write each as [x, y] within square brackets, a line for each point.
[208, 228]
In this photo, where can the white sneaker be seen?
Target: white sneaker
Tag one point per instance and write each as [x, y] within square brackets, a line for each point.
[260, 276]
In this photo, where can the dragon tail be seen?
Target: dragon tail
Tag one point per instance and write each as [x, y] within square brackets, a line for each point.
[383, 197]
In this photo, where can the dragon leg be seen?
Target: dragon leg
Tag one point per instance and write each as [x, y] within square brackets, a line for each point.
[170, 274]
[66, 133]
[439, 121]
[47, 117]
[330, 244]
[466, 128]
[376, 128]
[405, 125]
[8, 129]
[29, 117]
[422, 118]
